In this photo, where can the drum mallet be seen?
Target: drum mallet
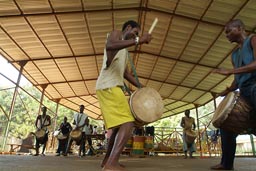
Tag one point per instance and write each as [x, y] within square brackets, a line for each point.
[153, 26]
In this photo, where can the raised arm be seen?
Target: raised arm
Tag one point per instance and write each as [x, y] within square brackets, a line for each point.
[244, 69]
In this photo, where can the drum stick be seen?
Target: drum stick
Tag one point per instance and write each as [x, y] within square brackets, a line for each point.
[153, 26]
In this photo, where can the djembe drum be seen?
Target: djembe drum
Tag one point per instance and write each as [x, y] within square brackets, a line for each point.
[146, 105]
[40, 134]
[76, 135]
[190, 136]
[235, 114]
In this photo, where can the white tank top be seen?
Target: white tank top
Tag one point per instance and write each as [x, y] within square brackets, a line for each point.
[113, 75]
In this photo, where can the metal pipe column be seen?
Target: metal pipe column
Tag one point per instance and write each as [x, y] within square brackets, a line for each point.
[22, 64]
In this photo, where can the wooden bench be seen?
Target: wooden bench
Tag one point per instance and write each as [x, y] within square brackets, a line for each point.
[14, 147]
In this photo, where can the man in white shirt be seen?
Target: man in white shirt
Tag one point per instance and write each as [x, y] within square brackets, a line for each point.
[42, 122]
[80, 120]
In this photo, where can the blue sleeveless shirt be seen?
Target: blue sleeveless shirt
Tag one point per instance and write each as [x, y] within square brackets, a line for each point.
[241, 57]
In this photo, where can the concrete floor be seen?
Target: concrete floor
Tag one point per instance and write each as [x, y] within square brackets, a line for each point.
[92, 163]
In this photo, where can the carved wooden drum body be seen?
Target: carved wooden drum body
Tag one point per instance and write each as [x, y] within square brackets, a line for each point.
[40, 134]
[235, 114]
[190, 136]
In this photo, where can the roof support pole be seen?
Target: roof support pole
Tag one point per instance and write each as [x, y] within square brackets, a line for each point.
[42, 97]
[56, 116]
[55, 123]
[253, 146]
[5, 113]
[22, 64]
[198, 128]
[214, 95]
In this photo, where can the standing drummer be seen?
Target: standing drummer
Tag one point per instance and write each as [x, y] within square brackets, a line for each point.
[188, 124]
[80, 120]
[42, 122]
[114, 105]
[243, 60]
[65, 128]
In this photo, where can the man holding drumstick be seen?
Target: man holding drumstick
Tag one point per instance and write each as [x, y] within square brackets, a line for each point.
[243, 60]
[114, 105]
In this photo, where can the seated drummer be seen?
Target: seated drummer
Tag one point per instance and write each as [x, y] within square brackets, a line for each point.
[42, 122]
[244, 68]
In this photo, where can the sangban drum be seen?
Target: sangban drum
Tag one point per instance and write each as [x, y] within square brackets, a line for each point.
[146, 105]
[234, 114]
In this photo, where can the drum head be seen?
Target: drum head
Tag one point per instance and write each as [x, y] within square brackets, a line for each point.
[61, 136]
[146, 104]
[76, 135]
[224, 108]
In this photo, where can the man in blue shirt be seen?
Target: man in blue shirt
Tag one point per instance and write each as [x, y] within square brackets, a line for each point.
[244, 63]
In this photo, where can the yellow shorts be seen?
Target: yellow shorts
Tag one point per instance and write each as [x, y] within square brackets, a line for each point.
[114, 107]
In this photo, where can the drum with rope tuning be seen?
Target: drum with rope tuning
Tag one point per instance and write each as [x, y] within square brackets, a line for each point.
[235, 114]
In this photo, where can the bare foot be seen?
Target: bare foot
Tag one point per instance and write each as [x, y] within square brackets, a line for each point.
[121, 165]
[112, 168]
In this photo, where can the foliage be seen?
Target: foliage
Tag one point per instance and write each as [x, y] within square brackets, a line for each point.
[171, 122]
[26, 110]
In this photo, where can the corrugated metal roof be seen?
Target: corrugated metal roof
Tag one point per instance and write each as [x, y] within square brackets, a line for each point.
[62, 42]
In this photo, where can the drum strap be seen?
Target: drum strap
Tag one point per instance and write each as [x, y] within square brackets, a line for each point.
[135, 75]
[134, 70]
[78, 119]
[42, 122]
[126, 88]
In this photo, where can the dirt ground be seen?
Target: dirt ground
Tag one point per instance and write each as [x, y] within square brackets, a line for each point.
[51, 162]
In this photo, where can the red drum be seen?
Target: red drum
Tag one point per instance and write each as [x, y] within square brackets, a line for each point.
[129, 143]
[234, 114]
[190, 136]
[138, 145]
[148, 144]
[146, 105]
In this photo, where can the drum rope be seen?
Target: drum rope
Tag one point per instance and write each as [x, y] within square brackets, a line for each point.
[135, 75]
[134, 71]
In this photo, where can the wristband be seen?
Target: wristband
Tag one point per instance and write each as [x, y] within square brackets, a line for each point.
[137, 40]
